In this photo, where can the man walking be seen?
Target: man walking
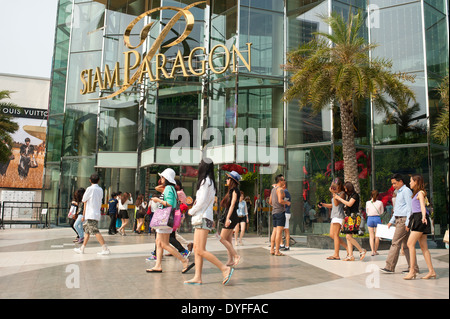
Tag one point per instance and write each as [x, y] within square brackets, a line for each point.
[277, 202]
[402, 211]
[92, 200]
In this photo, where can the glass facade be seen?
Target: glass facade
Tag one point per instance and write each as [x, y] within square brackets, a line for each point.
[234, 110]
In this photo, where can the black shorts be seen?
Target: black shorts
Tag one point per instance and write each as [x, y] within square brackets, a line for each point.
[123, 214]
[242, 219]
[415, 223]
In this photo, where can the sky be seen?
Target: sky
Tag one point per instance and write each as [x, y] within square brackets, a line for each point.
[27, 31]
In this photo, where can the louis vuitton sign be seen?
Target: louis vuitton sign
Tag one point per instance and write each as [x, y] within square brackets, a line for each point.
[192, 66]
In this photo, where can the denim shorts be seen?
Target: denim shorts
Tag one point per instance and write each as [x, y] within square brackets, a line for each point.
[206, 224]
[279, 219]
[373, 221]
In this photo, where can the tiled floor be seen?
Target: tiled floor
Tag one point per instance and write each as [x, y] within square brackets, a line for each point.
[37, 263]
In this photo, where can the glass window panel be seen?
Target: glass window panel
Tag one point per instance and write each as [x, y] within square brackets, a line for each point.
[400, 37]
[405, 161]
[118, 126]
[178, 107]
[264, 29]
[80, 129]
[222, 112]
[274, 5]
[79, 62]
[308, 180]
[403, 125]
[87, 26]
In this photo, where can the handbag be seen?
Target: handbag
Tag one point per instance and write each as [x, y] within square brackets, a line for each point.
[72, 211]
[352, 224]
[197, 219]
[445, 240]
[177, 219]
[163, 218]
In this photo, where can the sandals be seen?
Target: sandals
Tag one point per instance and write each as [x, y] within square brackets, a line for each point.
[185, 270]
[362, 254]
[349, 258]
[333, 258]
[280, 254]
[226, 280]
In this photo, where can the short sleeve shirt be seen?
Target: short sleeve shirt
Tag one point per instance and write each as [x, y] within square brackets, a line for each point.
[93, 200]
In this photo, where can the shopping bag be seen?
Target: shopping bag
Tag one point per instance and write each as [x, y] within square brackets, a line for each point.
[163, 218]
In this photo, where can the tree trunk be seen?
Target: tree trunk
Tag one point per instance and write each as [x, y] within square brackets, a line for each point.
[348, 145]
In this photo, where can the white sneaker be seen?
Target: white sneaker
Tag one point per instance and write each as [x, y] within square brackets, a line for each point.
[104, 252]
[79, 250]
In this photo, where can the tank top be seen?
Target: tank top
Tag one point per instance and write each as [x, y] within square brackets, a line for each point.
[337, 211]
[415, 204]
[277, 208]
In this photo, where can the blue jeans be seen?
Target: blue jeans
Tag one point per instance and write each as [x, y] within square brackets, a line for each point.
[79, 226]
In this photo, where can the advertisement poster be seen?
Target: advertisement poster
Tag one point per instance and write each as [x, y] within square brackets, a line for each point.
[26, 165]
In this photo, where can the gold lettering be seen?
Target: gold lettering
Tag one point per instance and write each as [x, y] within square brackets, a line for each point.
[147, 68]
[227, 59]
[85, 84]
[179, 63]
[110, 82]
[203, 62]
[161, 67]
[127, 65]
[97, 80]
[90, 90]
[241, 58]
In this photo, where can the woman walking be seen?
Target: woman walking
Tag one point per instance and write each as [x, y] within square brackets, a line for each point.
[420, 226]
[202, 221]
[242, 212]
[230, 217]
[124, 200]
[163, 235]
[78, 225]
[374, 210]
[141, 209]
[351, 210]
[337, 217]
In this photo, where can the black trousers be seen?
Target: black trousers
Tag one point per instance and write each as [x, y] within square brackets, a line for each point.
[175, 243]
[112, 224]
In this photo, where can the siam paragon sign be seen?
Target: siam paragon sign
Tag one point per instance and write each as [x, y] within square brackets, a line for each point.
[92, 79]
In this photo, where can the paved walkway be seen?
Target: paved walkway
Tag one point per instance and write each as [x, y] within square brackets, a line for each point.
[41, 263]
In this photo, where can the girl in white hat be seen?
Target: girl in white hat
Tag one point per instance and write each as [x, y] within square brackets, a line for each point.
[163, 235]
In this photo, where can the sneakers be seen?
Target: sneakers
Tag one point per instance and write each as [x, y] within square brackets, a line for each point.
[152, 256]
[104, 252]
[186, 254]
[286, 248]
[79, 250]
[386, 271]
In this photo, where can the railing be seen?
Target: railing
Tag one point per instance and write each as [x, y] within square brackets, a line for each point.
[24, 213]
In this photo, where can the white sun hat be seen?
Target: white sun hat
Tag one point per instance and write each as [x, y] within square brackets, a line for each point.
[169, 175]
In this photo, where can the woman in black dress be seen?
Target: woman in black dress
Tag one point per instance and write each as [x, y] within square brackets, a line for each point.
[351, 210]
[230, 217]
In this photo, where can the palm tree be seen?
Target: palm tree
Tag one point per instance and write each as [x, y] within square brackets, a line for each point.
[440, 129]
[336, 69]
[7, 127]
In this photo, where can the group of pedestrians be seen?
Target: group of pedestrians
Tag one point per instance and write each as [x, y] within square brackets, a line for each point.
[412, 225]
[410, 217]
[202, 221]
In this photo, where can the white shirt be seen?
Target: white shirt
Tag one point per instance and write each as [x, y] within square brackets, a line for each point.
[124, 206]
[374, 208]
[204, 200]
[92, 200]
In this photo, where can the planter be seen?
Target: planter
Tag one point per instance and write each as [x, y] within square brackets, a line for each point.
[325, 242]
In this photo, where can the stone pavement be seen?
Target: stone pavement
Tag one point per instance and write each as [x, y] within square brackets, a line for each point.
[41, 264]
